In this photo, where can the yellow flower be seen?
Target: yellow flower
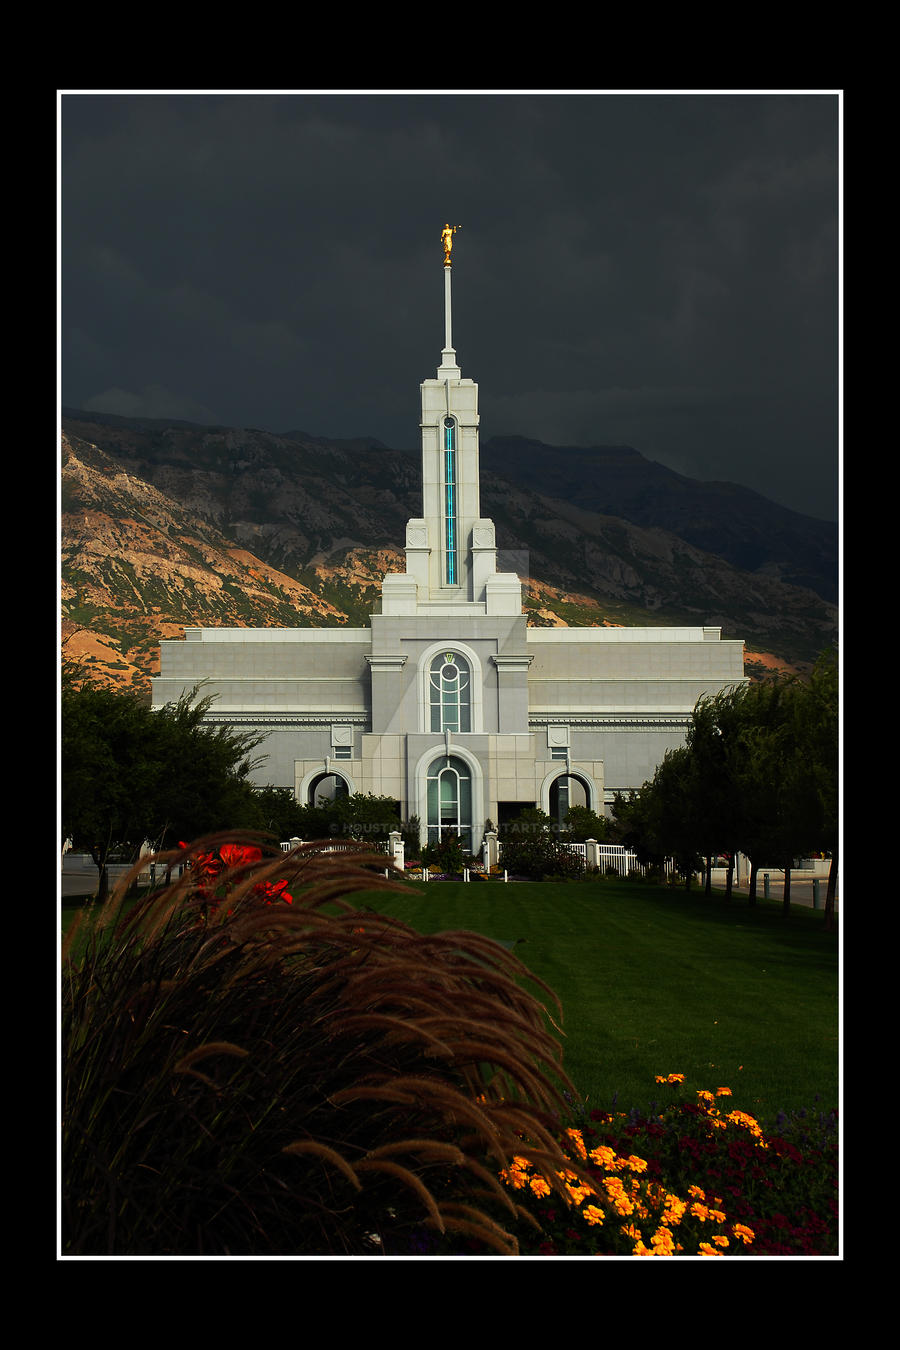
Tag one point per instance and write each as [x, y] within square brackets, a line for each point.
[635, 1163]
[539, 1186]
[705, 1096]
[674, 1210]
[593, 1214]
[514, 1177]
[699, 1211]
[741, 1118]
[721, 1240]
[708, 1250]
[575, 1136]
[603, 1156]
[696, 1192]
[745, 1234]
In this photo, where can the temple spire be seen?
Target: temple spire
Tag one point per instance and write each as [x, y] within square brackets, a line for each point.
[448, 368]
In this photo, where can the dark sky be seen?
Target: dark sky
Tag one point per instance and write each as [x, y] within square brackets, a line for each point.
[654, 270]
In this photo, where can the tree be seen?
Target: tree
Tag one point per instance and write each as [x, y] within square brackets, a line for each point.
[279, 813]
[758, 772]
[712, 789]
[531, 848]
[818, 733]
[130, 773]
[364, 816]
[582, 823]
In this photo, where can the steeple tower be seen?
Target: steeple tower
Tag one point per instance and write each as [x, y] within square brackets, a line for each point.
[451, 553]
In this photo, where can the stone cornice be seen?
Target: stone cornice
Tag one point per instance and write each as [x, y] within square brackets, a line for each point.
[387, 660]
[512, 661]
[610, 720]
[320, 719]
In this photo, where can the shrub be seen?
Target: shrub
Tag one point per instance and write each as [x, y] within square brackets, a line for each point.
[541, 857]
[251, 1066]
[446, 856]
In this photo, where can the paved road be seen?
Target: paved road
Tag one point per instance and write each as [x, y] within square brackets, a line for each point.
[802, 889]
[80, 877]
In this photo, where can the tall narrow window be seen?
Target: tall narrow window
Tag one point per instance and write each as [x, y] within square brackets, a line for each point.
[451, 526]
[450, 693]
[449, 800]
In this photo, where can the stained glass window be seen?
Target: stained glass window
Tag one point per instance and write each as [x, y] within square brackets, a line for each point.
[450, 693]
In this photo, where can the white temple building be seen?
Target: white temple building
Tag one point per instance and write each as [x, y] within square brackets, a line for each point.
[448, 702]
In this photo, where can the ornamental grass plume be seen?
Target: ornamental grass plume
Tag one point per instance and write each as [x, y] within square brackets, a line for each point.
[250, 1070]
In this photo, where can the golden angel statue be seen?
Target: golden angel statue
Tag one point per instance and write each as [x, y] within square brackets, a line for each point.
[447, 234]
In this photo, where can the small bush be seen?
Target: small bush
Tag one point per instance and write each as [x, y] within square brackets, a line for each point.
[251, 1066]
[446, 856]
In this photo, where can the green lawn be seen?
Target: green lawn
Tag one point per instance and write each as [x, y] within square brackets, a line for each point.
[656, 981]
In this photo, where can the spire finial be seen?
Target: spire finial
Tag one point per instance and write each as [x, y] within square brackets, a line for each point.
[447, 234]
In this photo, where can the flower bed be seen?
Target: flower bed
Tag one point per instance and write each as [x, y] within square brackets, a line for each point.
[694, 1180]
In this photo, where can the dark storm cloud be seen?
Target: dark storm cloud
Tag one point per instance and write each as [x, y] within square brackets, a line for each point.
[654, 270]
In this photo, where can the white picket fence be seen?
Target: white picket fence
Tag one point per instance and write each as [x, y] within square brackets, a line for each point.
[601, 856]
[393, 847]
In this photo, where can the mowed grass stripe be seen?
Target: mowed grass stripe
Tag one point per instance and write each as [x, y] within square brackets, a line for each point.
[656, 981]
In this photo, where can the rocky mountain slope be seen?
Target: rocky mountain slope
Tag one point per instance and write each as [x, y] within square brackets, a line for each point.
[169, 524]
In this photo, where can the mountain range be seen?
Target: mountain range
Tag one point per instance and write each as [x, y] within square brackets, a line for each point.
[166, 524]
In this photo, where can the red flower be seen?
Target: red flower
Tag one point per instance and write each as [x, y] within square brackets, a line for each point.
[273, 891]
[238, 855]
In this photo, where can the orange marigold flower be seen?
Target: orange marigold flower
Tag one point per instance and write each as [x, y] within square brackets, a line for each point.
[674, 1210]
[593, 1214]
[696, 1192]
[575, 1136]
[707, 1249]
[540, 1186]
[723, 1092]
[746, 1235]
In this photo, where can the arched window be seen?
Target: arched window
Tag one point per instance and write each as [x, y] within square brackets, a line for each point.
[450, 692]
[326, 788]
[449, 798]
[565, 791]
